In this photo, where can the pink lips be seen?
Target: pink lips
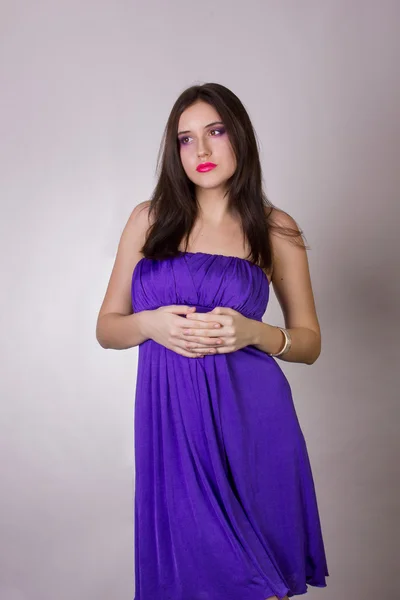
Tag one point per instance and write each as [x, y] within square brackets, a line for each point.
[204, 167]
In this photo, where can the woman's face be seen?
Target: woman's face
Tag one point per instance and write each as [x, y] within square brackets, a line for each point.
[203, 139]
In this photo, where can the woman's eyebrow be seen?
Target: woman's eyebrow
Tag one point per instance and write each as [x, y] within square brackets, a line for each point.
[205, 127]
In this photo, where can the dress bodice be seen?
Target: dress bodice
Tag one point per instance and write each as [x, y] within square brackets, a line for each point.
[202, 280]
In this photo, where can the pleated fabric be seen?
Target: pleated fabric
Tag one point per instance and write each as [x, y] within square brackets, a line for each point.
[225, 503]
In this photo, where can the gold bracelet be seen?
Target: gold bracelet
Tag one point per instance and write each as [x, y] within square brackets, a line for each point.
[287, 345]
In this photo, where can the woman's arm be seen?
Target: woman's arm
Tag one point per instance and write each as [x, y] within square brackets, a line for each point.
[306, 343]
[292, 285]
[117, 327]
[120, 332]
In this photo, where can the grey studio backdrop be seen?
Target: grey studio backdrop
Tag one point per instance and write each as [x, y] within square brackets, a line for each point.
[86, 88]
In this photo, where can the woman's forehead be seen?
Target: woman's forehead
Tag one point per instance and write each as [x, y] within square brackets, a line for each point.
[198, 115]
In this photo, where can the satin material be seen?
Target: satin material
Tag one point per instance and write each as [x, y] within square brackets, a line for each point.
[225, 504]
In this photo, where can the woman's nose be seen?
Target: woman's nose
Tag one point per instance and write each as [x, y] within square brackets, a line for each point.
[202, 150]
[202, 147]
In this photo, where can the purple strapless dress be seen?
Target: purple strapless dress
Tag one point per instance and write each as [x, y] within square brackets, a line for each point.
[225, 504]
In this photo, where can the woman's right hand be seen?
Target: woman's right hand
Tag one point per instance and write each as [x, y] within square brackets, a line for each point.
[165, 326]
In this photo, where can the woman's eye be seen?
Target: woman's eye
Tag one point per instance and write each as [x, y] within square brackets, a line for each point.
[220, 131]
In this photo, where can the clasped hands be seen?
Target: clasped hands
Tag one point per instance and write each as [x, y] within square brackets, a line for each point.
[218, 331]
[191, 334]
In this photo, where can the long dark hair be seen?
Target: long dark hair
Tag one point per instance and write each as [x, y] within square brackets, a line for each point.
[173, 206]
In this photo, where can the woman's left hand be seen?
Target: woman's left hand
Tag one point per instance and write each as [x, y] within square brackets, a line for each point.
[236, 331]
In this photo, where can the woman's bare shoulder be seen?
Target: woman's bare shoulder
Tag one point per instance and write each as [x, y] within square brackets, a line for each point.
[117, 298]
[280, 218]
[140, 217]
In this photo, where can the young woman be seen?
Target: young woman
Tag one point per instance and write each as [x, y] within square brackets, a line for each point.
[225, 505]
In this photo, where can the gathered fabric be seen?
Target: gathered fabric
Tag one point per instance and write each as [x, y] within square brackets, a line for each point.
[225, 503]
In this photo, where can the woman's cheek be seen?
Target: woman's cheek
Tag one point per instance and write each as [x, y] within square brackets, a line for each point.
[186, 161]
